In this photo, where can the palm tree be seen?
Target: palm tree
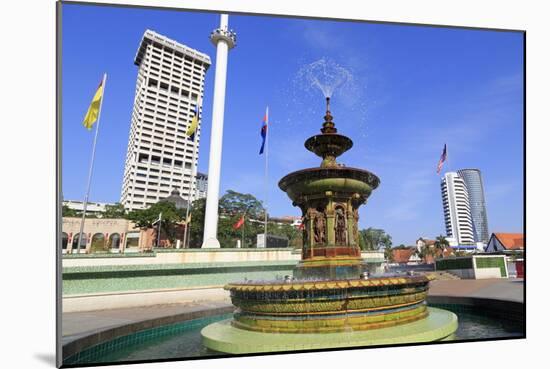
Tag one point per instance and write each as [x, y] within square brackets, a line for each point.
[424, 252]
[440, 244]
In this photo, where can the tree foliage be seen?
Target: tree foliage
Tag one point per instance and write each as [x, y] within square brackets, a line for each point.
[144, 218]
[232, 206]
[115, 211]
[441, 243]
[235, 203]
[68, 212]
[388, 254]
[375, 239]
[196, 227]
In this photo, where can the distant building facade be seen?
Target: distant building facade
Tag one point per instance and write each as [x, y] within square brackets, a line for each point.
[170, 84]
[423, 242]
[456, 210]
[476, 194]
[100, 235]
[503, 242]
[112, 236]
[92, 208]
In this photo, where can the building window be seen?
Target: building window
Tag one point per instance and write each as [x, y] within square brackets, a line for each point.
[64, 240]
[114, 241]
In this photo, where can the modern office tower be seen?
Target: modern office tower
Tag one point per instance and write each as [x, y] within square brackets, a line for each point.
[474, 184]
[170, 83]
[456, 208]
[202, 185]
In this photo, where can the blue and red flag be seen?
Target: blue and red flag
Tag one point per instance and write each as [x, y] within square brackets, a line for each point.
[263, 132]
[442, 159]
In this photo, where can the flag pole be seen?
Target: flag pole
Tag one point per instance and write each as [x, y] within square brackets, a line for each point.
[193, 177]
[266, 172]
[244, 225]
[242, 231]
[158, 232]
[90, 172]
[448, 159]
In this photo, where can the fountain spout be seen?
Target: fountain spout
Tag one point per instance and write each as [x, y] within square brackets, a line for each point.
[328, 125]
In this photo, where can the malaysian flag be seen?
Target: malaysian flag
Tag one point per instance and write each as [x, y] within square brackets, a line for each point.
[442, 159]
[263, 132]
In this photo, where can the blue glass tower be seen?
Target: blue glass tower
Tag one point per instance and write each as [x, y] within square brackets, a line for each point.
[474, 184]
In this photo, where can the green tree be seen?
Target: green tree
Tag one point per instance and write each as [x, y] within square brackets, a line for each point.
[68, 212]
[388, 254]
[235, 203]
[115, 211]
[440, 244]
[232, 206]
[375, 238]
[424, 252]
[144, 218]
[196, 228]
[362, 243]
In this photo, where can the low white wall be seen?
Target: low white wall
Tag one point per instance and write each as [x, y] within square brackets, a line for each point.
[188, 257]
[484, 273]
[119, 300]
[202, 256]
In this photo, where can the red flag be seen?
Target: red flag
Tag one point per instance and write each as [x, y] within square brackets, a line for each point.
[301, 225]
[239, 223]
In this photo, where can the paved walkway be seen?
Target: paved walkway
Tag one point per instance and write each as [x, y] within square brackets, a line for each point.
[500, 289]
[81, 324]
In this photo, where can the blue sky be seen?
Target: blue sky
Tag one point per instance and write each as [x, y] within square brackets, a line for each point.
[414, 88]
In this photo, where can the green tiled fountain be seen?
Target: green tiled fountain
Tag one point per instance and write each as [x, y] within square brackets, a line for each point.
[331, 300]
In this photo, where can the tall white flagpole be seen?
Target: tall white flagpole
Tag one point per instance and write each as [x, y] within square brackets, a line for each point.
[268, 128]
[103, 83]
[159, 230]
[193, 177]
[224, 39]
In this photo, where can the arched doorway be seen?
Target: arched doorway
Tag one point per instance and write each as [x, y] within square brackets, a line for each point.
[98, 242]
[82, 244]
[64, 240]
[114, 241]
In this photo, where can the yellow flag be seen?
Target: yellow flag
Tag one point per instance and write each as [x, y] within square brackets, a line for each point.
[194, 122]
[93, 110]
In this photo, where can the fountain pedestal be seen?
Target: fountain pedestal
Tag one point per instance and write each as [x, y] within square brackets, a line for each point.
[329, 197]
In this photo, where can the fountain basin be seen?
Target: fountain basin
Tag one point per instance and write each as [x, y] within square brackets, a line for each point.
[331, 144]
[224, 337]
[328, 305]
[314, 181]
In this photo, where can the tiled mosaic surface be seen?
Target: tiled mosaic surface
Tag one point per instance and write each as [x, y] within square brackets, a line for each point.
[95, 354]
[104, 279]
[222, 336]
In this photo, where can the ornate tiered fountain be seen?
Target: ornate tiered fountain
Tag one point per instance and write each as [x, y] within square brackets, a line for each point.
[331, 300]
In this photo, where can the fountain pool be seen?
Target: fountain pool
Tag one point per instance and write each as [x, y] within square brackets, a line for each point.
[183, 340]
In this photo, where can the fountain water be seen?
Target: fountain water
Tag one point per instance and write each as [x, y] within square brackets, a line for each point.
[331, 300]
[326, 75]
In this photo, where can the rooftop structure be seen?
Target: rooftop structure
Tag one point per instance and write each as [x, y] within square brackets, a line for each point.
[505, 242]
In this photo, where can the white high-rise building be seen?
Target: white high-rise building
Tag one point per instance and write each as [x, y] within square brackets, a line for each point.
[170, 83]
[456, 208]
